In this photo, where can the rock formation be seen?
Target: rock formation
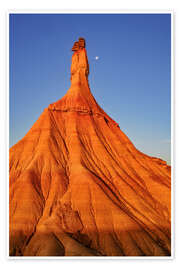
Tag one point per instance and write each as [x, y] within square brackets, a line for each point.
[79, 187]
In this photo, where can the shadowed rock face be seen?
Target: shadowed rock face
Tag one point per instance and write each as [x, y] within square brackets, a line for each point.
[79, 187]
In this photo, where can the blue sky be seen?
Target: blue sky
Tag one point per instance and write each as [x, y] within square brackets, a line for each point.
[131, 79]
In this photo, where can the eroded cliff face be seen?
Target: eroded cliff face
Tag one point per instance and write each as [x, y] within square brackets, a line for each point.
[79, 187]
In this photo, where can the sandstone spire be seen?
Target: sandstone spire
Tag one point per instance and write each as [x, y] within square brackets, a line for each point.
[79, 66]
[79, 187]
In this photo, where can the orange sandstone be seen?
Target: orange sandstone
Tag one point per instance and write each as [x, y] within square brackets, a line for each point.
[79, 187]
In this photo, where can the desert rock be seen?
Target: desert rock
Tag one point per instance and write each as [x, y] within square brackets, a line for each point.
[79, 187]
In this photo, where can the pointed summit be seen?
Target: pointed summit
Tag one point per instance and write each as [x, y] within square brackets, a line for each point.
[79, 97]
[79, 187]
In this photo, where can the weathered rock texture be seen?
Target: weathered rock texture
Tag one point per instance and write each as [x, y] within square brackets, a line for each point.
[79, 187]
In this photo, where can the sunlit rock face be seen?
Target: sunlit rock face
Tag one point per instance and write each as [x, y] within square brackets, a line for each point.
[79, 187]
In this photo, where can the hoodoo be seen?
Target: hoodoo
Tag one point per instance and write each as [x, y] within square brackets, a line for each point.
[79, 187]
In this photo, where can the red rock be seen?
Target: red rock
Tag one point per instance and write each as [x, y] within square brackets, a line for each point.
[79, 187]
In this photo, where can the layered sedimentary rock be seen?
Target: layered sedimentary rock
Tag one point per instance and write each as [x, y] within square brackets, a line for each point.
[79, 187]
